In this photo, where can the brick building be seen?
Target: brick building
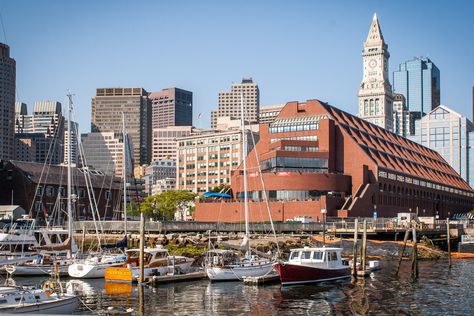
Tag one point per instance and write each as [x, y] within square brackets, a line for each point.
[41, 190]
[315, 156]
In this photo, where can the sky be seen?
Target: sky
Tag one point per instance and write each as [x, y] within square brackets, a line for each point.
[294, 50]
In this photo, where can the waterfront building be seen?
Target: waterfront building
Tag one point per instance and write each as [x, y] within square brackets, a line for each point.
[419, 81]
[171, 107]
[107, 107]
[230, 102]
[206, 158]
[403, 124]
[452, 136]
[375, 91]
[104, 152]
[164, 141]
[269, 113]
[44, 192]
[158, 170]
[7, 103]
[316, 157]
[74, 143]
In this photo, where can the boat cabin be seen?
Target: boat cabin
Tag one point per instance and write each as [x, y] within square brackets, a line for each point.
[151, 256]
[324, 257]
[221, 257]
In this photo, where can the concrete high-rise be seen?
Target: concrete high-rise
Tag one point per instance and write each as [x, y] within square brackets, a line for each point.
[107, 107]
[269, 113]
[7, 103]
[171, 107]
[230, 102]
[375, 92]
[403, 125]
[74, 143]
[164, 141]
[419, 81]
[42, 132]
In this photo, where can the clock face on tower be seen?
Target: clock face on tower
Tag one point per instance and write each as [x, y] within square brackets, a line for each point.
[372, 63]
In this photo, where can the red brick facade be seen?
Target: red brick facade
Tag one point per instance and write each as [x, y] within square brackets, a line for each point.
[314, 156]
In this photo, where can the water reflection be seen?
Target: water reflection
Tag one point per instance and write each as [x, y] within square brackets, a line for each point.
[437, 291]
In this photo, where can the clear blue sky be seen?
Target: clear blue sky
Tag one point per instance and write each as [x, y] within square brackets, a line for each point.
[294, 50]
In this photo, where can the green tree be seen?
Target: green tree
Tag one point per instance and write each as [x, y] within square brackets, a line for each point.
[224, 188]
[163, 206]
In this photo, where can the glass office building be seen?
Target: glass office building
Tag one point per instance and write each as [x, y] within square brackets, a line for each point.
[452, 136]
[419, 81]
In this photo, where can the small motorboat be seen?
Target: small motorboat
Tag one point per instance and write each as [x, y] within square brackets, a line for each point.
[309, 265]
[15, 300]
[157, 261]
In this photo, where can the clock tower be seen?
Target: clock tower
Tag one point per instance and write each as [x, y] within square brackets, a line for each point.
[375, 92]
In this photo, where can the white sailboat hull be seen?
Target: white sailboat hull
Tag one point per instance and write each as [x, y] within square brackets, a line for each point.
[90, 271]
[238, 272]
[30, 270]
[65, 304]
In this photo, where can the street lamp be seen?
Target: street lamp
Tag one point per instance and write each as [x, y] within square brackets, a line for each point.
[324, 211]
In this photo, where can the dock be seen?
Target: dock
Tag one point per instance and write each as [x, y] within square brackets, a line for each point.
[172, 278]
[264, 279]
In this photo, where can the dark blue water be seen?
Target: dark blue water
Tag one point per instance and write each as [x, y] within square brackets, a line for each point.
[438, 291]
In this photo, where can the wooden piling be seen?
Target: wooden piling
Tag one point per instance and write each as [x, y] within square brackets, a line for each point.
[448, 237]
[364, 247]
[142, 248]
[83, 238]
[354, 251]
[414, 264]
[402, 250]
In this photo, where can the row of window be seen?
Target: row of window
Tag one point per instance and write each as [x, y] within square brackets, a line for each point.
[294, 128]
[289, 163]
[285, 195]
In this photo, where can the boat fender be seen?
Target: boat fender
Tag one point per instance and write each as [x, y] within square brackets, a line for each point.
[48, 287]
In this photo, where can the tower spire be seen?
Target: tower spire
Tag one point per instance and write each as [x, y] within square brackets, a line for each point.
[375, 36]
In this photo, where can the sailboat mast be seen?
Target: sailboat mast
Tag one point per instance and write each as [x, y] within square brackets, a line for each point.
[124, 163]
[244, 164]
[69, 176]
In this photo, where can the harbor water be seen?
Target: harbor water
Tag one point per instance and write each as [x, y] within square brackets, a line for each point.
[437, 291]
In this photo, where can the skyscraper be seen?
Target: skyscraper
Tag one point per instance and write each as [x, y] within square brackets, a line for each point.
[171, 107]
[419, 81]
[74, 144]
[107, 108]
[452, 136]
[230, 102]
[7, 103]
[375, 92]
[42, 132]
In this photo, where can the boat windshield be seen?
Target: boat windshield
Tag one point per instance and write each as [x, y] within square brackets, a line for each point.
[294, 254]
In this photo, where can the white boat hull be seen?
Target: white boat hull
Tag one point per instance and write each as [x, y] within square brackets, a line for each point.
[30, 270]
[89, 271]
[236, 273]
[65, 304]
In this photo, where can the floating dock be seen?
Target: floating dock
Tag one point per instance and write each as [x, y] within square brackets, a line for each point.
[171, 278]
[265, 279]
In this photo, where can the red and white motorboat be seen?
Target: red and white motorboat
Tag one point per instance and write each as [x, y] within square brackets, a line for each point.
[308, 265]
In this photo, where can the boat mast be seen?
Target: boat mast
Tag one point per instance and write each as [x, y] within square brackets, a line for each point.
[244, 164]
[124, 163]
[69, 177]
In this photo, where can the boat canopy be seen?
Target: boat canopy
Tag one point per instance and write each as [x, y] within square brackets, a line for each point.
[218, 195]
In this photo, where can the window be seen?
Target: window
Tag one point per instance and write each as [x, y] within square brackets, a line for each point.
[294, 255]
[318, 255]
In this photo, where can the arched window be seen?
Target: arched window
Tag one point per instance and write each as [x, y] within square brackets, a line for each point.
[376, 106]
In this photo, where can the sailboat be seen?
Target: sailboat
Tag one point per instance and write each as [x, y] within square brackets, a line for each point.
[95, 265]
[228, 265]
[50, 256]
